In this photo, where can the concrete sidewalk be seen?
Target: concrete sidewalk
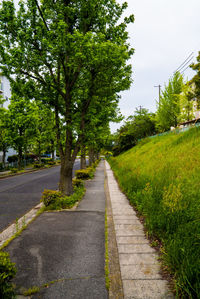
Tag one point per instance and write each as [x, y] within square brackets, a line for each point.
[63, 253]
[138, 261]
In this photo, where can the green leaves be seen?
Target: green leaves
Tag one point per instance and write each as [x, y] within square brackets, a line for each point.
[74, 55]
[169, 107]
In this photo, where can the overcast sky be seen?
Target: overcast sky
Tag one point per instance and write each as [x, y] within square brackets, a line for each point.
[164, 34]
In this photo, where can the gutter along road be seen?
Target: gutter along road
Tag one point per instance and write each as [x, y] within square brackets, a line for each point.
[19, 194]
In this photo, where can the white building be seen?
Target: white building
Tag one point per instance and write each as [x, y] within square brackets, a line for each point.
[5, 89]
[6, 93]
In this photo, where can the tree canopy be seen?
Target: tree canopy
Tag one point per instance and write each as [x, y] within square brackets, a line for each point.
[136, 127]
[169, 111]
[72, 53]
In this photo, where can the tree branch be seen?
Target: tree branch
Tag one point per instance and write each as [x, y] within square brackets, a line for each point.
[41, 14]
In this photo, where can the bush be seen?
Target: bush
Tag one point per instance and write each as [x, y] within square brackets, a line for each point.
[55, 200]
[51, 163]
[84, 174]
[46, 160]
[13, 158]
[7, 272]
[38, 165]
[50, 197]
[14, 170]
[77, 182]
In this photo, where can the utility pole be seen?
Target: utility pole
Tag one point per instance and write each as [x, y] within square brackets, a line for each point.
[159, 87]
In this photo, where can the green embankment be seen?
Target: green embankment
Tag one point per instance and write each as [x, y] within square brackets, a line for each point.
[161, 177]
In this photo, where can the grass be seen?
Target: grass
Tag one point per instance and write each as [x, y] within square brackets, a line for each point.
[161, 178]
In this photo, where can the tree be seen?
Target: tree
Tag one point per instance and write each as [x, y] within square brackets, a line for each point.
[21, 119]
[196, 78]
[45, 137]
[53, 44]
[186, 103]
[136, 127]
[169, 111]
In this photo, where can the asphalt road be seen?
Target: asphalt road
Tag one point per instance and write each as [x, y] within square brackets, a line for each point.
[21, 193]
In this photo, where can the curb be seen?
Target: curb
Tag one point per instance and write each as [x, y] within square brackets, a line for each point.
[14, 228]
[115, 280]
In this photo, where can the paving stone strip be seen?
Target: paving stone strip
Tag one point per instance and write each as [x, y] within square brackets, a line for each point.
[138, 260]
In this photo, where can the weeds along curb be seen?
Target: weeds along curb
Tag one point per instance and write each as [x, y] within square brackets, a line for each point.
[15, 229]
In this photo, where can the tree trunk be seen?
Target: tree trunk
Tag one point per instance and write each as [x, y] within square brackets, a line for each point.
[53, 155]
[52, 150]
[19, 158]
[4, 158]
[39, 152]
[83, 158]
[65, 184]
[91, 156]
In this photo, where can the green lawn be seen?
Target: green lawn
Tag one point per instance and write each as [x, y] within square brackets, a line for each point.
[161, 177]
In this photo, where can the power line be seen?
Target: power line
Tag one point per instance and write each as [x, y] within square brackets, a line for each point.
[185, 69]
[185, 62]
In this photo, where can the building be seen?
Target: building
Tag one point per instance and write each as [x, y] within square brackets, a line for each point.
[6, 93]
[5, 89]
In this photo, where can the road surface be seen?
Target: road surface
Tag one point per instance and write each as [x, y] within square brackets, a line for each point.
[21, 193]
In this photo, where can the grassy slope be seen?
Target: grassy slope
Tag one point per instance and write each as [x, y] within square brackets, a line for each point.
[161, 177]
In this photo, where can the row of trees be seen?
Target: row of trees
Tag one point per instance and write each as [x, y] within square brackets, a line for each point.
[26, 127]
[70, 57]
[177, 104]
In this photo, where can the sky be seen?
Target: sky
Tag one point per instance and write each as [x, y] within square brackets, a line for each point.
[164, 34]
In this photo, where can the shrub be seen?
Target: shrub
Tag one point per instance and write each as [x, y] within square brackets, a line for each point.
[46, 160]
[14, 170]
[55, 200]
[7, 272]
[77, 182]
[38, 165]
[13, 158]
[51, 162]
[50, 197]
[84, 174]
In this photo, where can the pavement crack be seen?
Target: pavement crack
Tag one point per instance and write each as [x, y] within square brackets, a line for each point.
[37, 289]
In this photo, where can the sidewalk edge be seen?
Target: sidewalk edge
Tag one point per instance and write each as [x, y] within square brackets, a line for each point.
[116, 286]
